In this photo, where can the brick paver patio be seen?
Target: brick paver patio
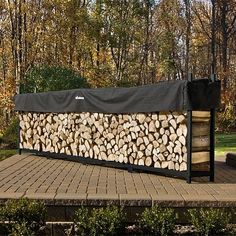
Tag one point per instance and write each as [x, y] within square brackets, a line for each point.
[60, 182]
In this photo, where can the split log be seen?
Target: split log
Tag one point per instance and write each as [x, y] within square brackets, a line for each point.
[162, 131]
[161, 157]
[140, 154]
[156, 135]
[200, 129]
[180, 119]
[142, 147]
[173, 137]
[154, 158]
[182, 140]
[140, 162]
[152, 126]
[201, 114]
[157, 124]
[121, 158]
[183, 166]
[148, 161]
[164, 164]
[200, 142]
[177, 167]
[146, 140]
[141, 118]
[185, 157]
[172, 130]
[170, 149]
[148, 152]
[150, 137]
[179, 132]
[125, 159]
[154, 116]
[157, 164]
[199, 157]
[162, 148]
[131, 160]
[173, 123]
[171, 165]
[155, 144]
[139, 141]
[164, 123]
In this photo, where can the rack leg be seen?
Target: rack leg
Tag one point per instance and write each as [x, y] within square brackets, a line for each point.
[189, 139]
[212, 146]
[189, 146]
[189, 179]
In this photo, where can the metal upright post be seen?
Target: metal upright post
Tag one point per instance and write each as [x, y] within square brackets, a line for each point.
[212, 139]
[213, 79]
[189, 139]
[18, 140]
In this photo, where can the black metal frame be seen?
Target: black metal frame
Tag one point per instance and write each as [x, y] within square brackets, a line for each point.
[211, 172]
[129, 167]
[173, 173]
[212, 139]
[18, 140]
[189, 139]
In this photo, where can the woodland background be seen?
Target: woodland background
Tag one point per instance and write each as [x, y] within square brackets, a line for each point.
[60, 44]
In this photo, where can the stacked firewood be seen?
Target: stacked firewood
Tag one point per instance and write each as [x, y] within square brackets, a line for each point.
[201, 140]
[148, 139]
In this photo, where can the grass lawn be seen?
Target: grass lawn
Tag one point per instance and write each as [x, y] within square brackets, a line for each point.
[225, 143]
[7, 153]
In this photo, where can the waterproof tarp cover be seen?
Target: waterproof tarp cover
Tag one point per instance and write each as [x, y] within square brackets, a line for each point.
[177, 95]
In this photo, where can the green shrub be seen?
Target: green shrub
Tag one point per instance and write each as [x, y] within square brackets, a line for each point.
[101, 222]
[25, 216]
[157, 221]
[81, 221]
[106, 221]
[10, 134]
[209, 221]
[50, 78]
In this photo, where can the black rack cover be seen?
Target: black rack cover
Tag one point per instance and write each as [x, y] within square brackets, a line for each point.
[179, 95]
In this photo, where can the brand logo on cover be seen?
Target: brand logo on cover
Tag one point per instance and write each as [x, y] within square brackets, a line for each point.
[79, 98]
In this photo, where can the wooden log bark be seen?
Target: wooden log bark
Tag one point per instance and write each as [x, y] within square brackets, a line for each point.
[201, 116]
[201, 129]
[199, 157]
[200, 141]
